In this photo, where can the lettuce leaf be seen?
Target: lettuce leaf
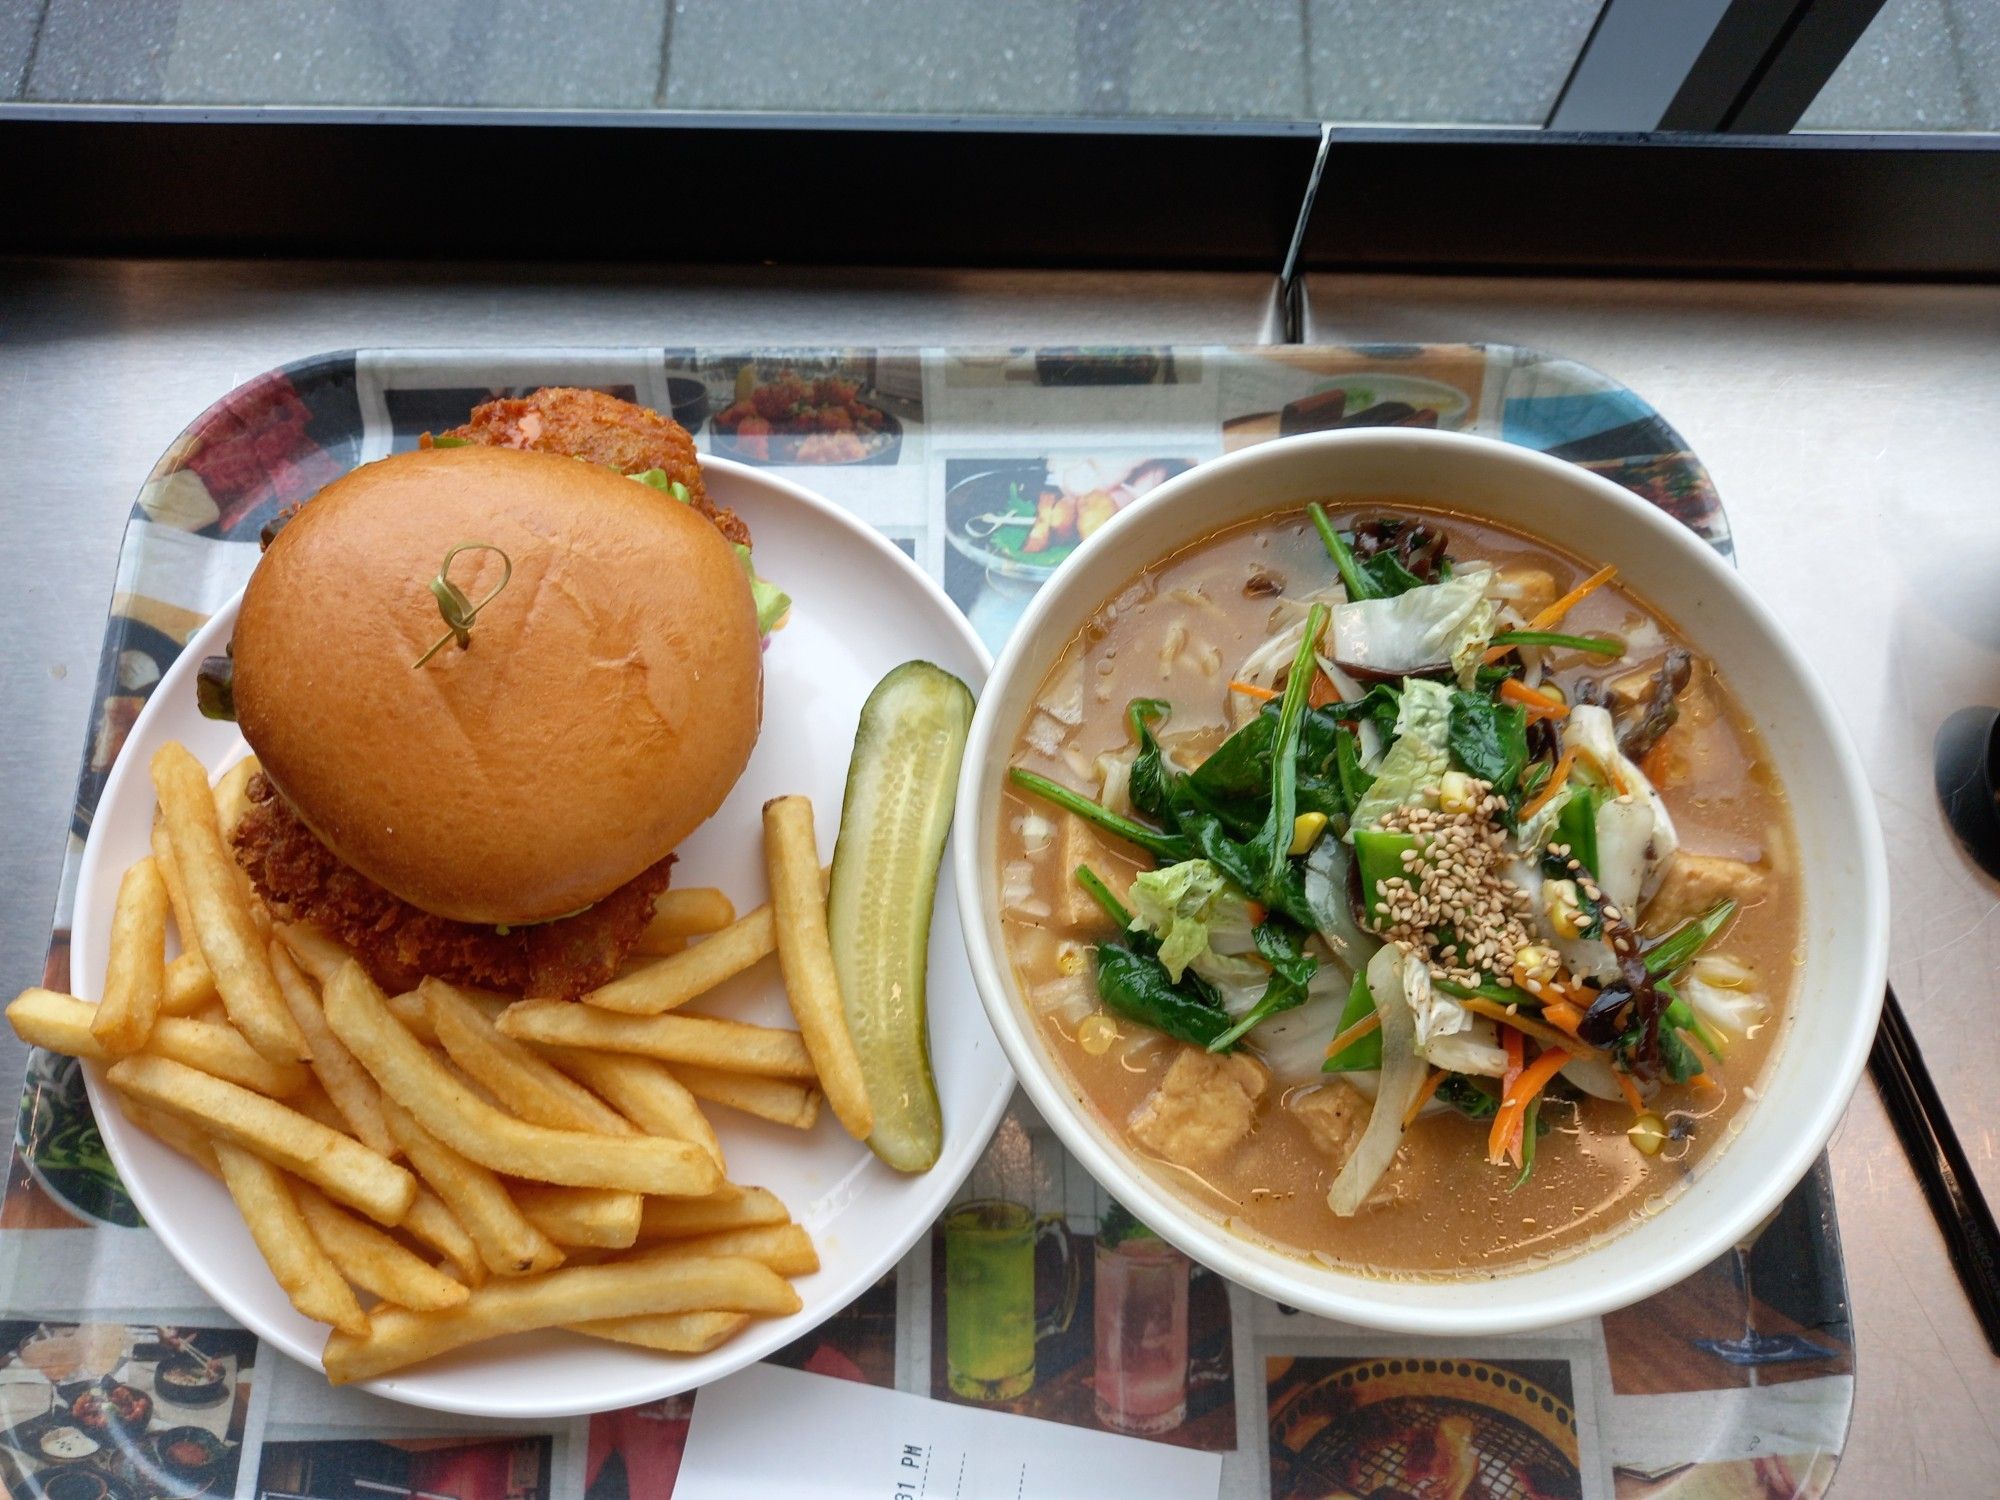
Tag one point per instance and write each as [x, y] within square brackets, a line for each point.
[1186, 906]
[773, 603]
[1416, 759]
[1425, 629]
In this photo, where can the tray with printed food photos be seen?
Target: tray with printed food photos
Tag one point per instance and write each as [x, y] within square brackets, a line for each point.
[987, 467]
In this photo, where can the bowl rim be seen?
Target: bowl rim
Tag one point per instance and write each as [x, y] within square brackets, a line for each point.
[1348, 1296]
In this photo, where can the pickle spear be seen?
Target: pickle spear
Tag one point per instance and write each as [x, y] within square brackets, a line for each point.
[900, 787]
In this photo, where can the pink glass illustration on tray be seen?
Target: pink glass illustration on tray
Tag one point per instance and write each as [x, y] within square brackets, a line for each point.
[1142, 1334]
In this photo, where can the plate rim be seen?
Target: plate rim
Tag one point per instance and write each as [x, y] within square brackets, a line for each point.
[766, 1337]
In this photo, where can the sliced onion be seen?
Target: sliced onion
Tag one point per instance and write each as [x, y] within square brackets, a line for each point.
[1293, 1042]
[1326, 894]
[1402, 1075]
[1594, 1076]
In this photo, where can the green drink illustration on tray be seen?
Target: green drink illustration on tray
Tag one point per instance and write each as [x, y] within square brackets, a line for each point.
[991, 1328]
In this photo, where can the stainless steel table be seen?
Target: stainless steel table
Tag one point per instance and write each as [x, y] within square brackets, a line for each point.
[1853, 432]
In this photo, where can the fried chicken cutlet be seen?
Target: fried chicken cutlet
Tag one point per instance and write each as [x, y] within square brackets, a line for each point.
[590, 425]
[302, 880]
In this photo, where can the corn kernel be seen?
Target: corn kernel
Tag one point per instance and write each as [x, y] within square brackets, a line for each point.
[1457, 794]
[1648, 1133]
[1306, 831]
[1537, 961]
[1096, 1034]
[1564, 907]
[1072, 959]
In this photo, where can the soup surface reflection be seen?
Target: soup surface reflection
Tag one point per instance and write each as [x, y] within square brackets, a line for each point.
[1258, 1134]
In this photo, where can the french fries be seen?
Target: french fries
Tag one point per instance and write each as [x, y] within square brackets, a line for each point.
[190, 987]
[296, 1260]
[135, 982]
[508, 1244]
[706, 1040]
[340, 1165]
[672, 982]
[346, 1082]
[376, 1263]
[791, 855]
[62, 1023]
[670, 1333]
[574, 1294]
[680, 1218]
[773, 1099]
[410, 1074]
[681, 914]
[645, 1092]
[223, 930]
[594, 1217]
[170, 876]
[558, 1169]
[785, 1248]
[431, 1222]
[522, 1081]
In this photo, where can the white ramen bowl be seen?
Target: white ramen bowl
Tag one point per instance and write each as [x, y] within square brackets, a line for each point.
[1838, 989]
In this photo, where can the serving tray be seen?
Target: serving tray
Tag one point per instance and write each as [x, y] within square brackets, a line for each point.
[1737, 1381]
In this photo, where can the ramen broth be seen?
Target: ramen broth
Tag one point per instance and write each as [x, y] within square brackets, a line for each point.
[1177, 632]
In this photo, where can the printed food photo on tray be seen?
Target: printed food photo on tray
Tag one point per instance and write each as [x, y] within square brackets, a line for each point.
[1049, 1299]
[775, 409]
[1010, 522]
[118, 1411]
[1415, 1426]
[635, 1453]
[1064, 368]
[470, 1468]
[1286, 392]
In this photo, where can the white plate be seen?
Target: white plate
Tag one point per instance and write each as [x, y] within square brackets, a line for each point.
[859, 608]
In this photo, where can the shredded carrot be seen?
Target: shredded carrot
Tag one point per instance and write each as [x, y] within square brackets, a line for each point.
[1550, 787]
[1706, 1084]
[1563, 1016]
[1548, 618]
[1255, 911]
[1522, 1022]
[1363, 1027]
[1506, 1142]
[1508, 1124]
[1430, 1086]
[1538, 705]
[1630, 1090]
[1251, 690]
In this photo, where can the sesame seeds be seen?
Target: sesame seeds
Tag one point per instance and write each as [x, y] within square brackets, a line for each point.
[1451, 904]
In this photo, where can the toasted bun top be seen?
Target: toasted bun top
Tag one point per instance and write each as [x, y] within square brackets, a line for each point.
[609, 699]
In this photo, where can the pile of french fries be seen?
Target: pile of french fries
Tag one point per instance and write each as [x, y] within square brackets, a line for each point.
[476, 1164]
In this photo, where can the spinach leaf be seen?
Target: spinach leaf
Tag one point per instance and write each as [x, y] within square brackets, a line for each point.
[1489, 739]
[1380, 705]
[1136, 986]
[1467, 1097]
[1270, 850]
[1132, 981]
[1388, 575]
[1169, 848]
[1153, 786]
[1292, 970]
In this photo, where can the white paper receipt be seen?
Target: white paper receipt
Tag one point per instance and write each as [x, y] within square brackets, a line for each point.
[772, 1431]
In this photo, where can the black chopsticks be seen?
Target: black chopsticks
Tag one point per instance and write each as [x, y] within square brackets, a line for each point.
[1932, 1147]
